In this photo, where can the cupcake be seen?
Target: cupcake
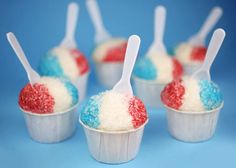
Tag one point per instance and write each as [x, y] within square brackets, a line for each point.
[156, 68]
[109, 52]
[66, 60]
[193, 103]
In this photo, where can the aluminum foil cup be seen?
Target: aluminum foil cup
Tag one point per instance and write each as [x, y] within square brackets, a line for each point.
[192, 126]
[149, 92]
[189, 69]
[81, 84]
[108, 74]
[113, 147]
[51, 128]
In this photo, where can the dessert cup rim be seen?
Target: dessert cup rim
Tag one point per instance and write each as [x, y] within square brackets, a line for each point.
[86, 73]
[107, 63]
[113, 132]
[194, 112]
[192, 64]
[150, 82]
[50, 114]
[113, 37]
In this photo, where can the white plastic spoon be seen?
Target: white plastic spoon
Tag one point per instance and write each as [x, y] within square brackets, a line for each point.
[124, 86]
[101, 34]
[33, 76]
[212, 19]
[72, 15]
[204, 71]
[159, 27]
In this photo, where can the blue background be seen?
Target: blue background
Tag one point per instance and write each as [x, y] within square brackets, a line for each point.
[39, 25]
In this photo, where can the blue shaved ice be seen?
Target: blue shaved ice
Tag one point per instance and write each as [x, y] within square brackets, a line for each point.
[145, 69]
[210, 94]
[90, 113]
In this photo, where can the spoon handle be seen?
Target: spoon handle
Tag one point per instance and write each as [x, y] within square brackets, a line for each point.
[210, 22]
[101, 32]
[160, 19]
[213, 48]
[159, 27]
[130, 56]
[124, 86]
[32, 75]
[72, 15]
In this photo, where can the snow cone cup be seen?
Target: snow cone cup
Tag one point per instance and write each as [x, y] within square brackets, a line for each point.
[43, 102]
[114, 120]
[195, 95]
[149, 92]
[113, 147]
[108, 74]
[81, 83]
[51, 128]
[190, 69]
[192, 126]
